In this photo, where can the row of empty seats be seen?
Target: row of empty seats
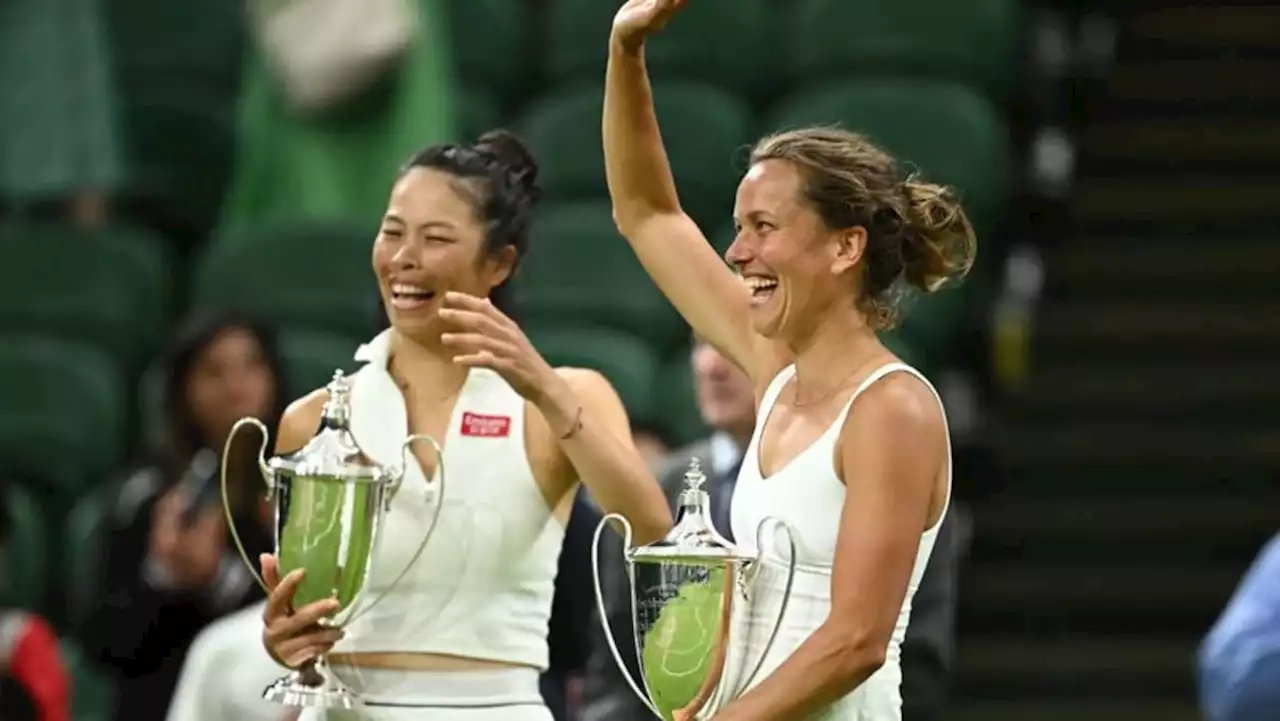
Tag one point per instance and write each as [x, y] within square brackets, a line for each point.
[753, 47]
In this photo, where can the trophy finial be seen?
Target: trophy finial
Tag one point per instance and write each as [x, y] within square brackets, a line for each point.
[694, 477]
[337, 410]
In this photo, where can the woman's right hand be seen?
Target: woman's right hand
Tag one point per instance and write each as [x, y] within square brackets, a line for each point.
[292, 637]
[638, 19]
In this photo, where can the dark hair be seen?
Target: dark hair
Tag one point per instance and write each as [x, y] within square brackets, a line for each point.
[917, 232]
[499, 177]
[182, 436]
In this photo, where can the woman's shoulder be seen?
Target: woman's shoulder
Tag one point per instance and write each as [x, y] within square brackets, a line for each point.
[300, 419]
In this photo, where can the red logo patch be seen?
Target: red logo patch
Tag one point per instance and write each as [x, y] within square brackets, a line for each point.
[482, 426]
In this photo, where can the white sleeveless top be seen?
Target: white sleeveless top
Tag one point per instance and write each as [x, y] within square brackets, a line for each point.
[482, 587]
[807, 495]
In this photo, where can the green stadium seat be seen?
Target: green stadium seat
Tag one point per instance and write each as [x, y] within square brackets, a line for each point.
[491, 43]
[478, 112]
[973, 43]
[582, 271]
[181, 146]
[311, 358]
[313, 276]
[729, 43]
[704, 128]
[84, 550]
[677, 395]
[952, 134]
[27, 555]
[92, 694]
[178, 67]
[64, 418]
[200, 40]
[111, 288]
[625, 360]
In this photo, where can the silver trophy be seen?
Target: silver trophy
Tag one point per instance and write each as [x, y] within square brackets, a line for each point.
[330, 500]
[684, 589]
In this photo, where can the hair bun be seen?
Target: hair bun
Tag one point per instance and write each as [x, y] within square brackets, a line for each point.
[515, 158]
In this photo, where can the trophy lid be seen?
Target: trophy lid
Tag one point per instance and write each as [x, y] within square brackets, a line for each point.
[694, 537]
[333, 452]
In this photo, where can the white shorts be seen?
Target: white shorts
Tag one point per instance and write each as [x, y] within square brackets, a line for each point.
[501, 695]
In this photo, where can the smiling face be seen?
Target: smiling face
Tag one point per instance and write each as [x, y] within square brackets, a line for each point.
[431, 242]
[797, 269]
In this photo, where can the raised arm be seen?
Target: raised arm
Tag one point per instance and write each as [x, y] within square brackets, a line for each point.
[645, 205]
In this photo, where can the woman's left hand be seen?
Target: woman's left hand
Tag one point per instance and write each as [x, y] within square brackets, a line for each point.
[484, 337]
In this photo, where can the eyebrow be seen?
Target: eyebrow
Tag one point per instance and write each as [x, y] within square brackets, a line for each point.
[753, 215]
[429, 224]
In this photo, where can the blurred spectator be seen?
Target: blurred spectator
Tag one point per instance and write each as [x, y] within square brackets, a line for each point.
[726, 400]
[293, 167]
[650, 441]
[59, 144]
[171, 569]
[225, 672]
[572, 625]
[33, 680]
[1240, 658]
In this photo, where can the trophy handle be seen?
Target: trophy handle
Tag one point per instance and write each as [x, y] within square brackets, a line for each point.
[265, 469]
[786, 591]
[604, 611]
[435, 517]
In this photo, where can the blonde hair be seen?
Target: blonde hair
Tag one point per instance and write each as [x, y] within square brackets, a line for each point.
[918, 236]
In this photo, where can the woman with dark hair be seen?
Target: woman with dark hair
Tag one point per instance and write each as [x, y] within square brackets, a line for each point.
[463, 636]
[170, 570]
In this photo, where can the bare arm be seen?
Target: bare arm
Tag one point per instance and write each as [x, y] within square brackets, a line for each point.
[598, 447]
[647, 210]
[889, 455]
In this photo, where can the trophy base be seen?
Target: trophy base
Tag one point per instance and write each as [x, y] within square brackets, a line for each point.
[312, 686]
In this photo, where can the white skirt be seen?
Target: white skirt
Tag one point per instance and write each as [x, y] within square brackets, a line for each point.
[499, 695]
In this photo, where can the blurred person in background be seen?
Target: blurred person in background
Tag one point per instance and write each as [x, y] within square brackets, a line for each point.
[303, 163]
[60, 149]
[224, 671]
[171, 569]
[34, 684]
[1239, 661]
[726, 401]
[463, 633]
[651, 441]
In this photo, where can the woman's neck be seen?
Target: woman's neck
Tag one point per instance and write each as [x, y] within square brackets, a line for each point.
[832, 354]
[426, 368]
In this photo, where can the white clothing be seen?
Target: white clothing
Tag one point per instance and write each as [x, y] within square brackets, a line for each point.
[482, 587]
[225, 672]
[807, 495]
[499, 695]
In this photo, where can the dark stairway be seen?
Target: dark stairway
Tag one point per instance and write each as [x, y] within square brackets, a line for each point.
[1143, 454]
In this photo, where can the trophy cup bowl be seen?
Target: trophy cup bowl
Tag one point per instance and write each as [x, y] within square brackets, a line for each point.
[684, 591]
[329, 501]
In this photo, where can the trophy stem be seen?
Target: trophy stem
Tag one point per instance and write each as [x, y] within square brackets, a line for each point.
[313, 685]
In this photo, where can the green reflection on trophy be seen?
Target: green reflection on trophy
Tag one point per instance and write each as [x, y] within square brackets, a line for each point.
[330, 501]
[684, 590]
